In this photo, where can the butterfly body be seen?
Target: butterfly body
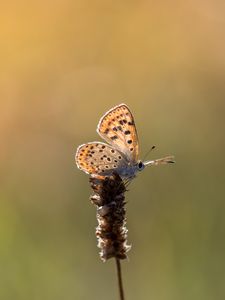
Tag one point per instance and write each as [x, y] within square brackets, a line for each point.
[130, 170]
[120, 154]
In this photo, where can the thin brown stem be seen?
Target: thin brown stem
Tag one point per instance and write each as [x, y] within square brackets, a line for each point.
[119, 275]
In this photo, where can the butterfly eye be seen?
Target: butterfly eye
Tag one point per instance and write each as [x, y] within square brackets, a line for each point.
[140, 166]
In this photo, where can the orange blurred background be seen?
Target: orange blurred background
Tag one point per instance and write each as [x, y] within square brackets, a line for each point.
[64, 64]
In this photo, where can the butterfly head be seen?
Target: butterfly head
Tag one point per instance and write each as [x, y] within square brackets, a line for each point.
[140, 165]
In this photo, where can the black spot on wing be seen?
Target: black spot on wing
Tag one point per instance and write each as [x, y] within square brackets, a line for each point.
[106, 131]
[114, 137]
[127, 132]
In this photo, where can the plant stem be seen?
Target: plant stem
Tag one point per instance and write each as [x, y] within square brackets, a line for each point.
[120, 282]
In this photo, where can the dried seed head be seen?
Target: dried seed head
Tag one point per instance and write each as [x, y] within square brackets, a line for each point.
[110, 201]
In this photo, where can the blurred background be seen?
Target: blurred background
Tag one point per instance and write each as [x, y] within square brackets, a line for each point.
[63, 65]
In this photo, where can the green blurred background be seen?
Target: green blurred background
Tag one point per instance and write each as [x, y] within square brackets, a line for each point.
[64, 64]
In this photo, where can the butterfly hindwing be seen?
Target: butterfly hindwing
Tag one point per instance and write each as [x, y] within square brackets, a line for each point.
[99, 158]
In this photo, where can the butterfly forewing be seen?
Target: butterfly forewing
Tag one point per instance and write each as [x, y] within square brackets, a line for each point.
[99, 158]
[117, 127]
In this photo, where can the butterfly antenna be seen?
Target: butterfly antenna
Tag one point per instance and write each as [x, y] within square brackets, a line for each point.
[150, 150]
[160, 161]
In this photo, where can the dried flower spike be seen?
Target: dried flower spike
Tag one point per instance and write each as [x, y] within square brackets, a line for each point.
[111, 232]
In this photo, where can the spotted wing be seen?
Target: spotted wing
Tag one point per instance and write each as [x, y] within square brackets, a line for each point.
[99, 158]
[117, 127]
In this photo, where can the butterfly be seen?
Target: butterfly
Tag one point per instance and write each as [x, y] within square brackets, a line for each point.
[120, 154]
